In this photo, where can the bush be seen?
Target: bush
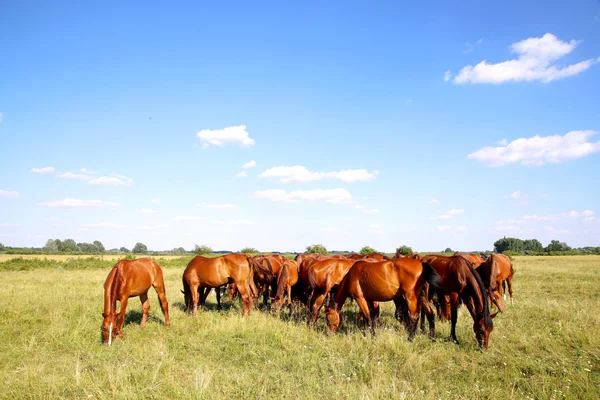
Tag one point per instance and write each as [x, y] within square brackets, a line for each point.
[316, 248]
[201, 250]
[140, 248]
[404, 250]
[249, 250]
[367, 250]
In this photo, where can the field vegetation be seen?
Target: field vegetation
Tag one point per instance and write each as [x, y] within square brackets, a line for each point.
[544, 346]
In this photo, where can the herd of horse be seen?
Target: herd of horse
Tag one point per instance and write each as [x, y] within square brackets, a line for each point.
[420, 287]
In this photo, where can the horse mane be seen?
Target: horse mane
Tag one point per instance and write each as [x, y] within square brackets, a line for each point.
[487, 318]
[261, 268]
[116, 284]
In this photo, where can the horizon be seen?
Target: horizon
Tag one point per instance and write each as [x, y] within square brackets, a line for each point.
[281, 126]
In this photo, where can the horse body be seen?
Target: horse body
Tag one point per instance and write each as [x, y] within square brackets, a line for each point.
[131, 278]
[286, 279]
[475, 259]
[234, 268]
[462, 283]
[369, 283]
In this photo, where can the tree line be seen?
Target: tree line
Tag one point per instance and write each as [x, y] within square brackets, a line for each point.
[516, 246]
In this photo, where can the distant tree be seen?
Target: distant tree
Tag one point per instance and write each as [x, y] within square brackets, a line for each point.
[533, 246]
[249, 250]
[140, 248]
[68, 245]
[448, 250]
[556, 245]
[99, 246]
[367, 250]
[404, 250]
[87, 248]
[124, 250]
[178, 250]
[316, 248]
[52, 246]
[1, 247]
[203, 250]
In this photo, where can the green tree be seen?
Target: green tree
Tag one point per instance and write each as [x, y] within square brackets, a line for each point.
[367, 250]
[556, 245]
[448, 250]
[99, 246]
[178, 250]
[249, 250]
[1, 247]
[404, 250]
[316, 248]
[140, 248]
[533, 246]
[68, 245]
[202, 250]
[124, 250]
[52, 246]
[87, 248]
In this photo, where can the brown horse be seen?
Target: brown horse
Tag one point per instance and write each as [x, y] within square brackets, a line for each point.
[286, 279]
[131, 278]
[265, 287]
[496, 272]
[204, 272]
[475, 259]
[372, 282]
[461, 283]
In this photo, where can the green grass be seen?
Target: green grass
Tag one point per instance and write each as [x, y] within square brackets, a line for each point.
[545, 346]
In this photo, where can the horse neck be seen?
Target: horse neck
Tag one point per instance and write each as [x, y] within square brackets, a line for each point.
[282, 278]
[111, 290]
[478, 294]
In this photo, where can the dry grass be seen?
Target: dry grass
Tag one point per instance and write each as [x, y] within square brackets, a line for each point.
[545, 346]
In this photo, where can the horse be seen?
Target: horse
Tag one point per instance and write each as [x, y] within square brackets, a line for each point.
[475, 259]
[286, 279]
[131, 278]
[496, 272]
[461, 283]
[215, 272]
[372, 282]
[268, 287]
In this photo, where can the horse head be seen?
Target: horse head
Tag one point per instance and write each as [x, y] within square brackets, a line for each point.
[483, 327]
[334, 319]
[109, 327]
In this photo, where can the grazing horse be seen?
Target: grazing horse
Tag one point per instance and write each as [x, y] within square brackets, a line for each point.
[204, 272]
[475, 259]
[498, 271]
[286, 279]
[372, 282]
[131, 278]
[268, 287]
[461, 283]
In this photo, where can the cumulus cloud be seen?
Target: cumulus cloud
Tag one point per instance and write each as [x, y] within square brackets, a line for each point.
[78, 203]
[443, 228]
[300, 173]
[336, 196]
[85, 171]
[7, 194]
[233, 135]
[366, 209]
[235, 222]
[448, 214]
[249, 164]
[148, 211]
[188, 218]
[219, 206]
[112, 180]
[43, 170]
[70, 175]
[539, 150]
[241, 174]
[103, 225]
[537, 61]
[555, 230]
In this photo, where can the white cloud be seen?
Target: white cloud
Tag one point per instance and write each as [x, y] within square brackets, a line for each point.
[112, 180]
[503, 142]
[44, 170]
[513, 195]
[6, 225]
[539, 150]
[336, 196]
[433, 201]
[536, 217]
[480, 41]
[241, 174]
[148, 211]
[448, 214]
[188, 218]
[249, 164]
[300, 173]
[156, 201]
[588, 213]
[221, 137]
[103, 225]
[235, 222]
[537, 61]
[151, 227]
[85, 171]
[77, 203]
[375, 226]
[462, 228]
[367, 210]
[443, 228]
[554, 230]
[375, 229]
[6, 194]
[510, 222]
[573, 214]
[447, 76]
[70, 175]
[219, 206]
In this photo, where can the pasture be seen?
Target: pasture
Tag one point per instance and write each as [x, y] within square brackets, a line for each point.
[544, 346]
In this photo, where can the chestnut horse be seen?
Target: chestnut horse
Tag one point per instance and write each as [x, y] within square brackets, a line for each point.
[131, 278]
[372, 282]
[475, 259]
[461, 283]
[496, 272]
[286, 279]
[268, 287]
[204, 272]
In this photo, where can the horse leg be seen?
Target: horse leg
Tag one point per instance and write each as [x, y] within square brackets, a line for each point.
[503, 290]
[162, 299]
[375, 312]
[244, 291]
[412, 302]
[366, 313]
[316, 307]
[509, 283]
[218, 290]
[453, 316]
[121, 316]
[145, 308]
[195, 299]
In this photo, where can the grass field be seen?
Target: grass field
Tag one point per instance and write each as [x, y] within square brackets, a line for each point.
[546, 346]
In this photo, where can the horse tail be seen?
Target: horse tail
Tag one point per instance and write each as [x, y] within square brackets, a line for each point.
[493, 274]
[432, 277]
[268, 272]
[487, 319]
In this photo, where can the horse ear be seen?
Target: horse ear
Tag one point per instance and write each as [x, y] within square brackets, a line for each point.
[494, 315]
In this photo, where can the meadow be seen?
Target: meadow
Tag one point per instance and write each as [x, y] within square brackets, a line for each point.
[545, 346]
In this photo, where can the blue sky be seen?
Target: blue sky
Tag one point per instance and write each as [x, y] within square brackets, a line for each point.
[437, 125]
